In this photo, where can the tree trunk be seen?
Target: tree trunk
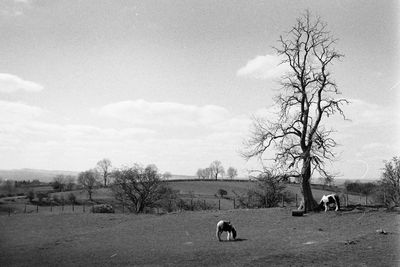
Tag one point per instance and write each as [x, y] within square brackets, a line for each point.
[309, 202]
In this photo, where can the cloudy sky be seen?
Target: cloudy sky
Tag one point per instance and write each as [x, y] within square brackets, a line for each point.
[175, 83]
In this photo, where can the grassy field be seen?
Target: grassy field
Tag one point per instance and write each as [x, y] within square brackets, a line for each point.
[266, 237]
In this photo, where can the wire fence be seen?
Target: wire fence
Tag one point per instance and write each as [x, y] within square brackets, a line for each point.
[171, 205]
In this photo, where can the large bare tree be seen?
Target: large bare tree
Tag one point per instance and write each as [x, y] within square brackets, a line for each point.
[308, 96]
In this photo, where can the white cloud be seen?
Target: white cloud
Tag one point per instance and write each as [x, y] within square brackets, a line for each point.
[15, 8]
[141, 112]
[10, 83]
[366, 114]
[18, 112]
[263, 67]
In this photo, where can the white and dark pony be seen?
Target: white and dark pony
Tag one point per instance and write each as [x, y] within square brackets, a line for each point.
[328, 200]
[225, 226]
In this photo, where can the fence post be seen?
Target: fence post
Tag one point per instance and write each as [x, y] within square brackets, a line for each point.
[83, 208]
[234, 205]
[219, 204]
[37, 208]
[204, 207]
[73, 207]
[296, 201]
[62, 207]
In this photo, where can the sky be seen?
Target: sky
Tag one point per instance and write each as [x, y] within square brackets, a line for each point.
[176, 83]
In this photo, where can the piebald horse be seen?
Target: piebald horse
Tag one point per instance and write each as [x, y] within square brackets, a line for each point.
[225, 226]
[327, 200]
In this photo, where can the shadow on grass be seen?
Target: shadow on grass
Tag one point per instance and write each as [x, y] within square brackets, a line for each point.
[236, 240]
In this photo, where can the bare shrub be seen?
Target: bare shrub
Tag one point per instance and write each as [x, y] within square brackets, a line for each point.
[268, 193]
[140, 188]
[390, 183]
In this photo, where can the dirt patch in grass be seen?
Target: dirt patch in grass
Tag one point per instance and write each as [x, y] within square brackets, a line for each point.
[266, 237]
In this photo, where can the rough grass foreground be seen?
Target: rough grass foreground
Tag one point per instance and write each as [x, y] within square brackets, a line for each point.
[266, 237]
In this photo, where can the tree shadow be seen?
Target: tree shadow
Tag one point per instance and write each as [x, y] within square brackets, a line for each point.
[236, 240]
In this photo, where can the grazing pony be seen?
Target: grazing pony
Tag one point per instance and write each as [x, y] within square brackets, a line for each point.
[225, 226]
[327, 200]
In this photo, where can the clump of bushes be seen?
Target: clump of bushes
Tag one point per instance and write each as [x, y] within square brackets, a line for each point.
[42, 198]
[102, 208]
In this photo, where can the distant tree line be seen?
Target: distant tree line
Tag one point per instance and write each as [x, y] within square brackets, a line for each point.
[216, 170]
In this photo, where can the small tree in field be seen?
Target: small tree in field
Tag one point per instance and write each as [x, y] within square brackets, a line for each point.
[89, 180]
[231, 172]
[139, 187]
[222, 193]
[72, 198]
[308, 97]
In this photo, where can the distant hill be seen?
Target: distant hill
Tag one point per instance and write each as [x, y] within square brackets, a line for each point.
[33, 174]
